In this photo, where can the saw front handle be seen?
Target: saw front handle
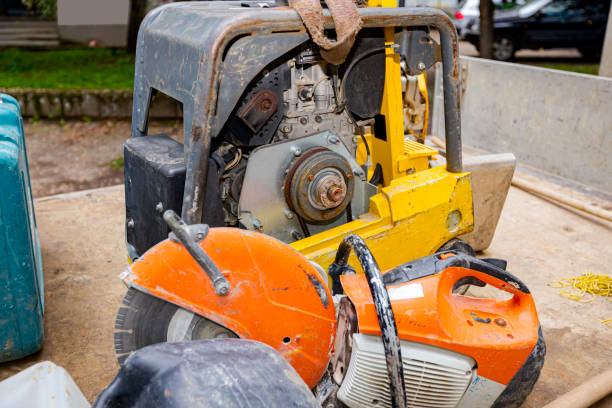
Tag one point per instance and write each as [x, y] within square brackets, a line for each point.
[382, 303]
[189, 236]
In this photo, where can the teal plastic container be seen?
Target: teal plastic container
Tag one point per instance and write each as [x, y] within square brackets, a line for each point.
[21, 277]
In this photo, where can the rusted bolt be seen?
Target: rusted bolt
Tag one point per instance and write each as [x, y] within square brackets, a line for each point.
[335, 193]
[330, 191]
[303, 120]
[286, 129]
[500, 322]
[265, 105]
[318, 119]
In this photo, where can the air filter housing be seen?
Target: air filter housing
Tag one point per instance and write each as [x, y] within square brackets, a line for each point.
[434, 377]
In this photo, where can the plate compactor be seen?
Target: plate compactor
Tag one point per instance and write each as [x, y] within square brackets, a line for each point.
[295, 151]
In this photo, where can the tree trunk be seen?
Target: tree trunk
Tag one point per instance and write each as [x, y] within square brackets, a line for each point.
[138, 10]
[486, 29]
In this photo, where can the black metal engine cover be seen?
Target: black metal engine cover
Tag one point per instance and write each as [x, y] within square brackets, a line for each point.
[364, 79]
[154, 171]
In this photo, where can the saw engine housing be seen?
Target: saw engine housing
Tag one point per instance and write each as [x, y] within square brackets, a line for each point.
[456, 350]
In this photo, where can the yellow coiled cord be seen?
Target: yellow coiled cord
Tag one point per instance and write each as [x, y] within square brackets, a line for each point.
[587, 284]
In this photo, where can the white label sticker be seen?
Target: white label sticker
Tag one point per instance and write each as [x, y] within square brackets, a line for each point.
[409, 291]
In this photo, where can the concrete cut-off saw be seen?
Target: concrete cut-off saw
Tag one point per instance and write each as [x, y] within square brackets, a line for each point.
[403, 338]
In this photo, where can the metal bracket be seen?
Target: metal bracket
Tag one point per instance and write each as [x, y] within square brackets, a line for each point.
[419, 50]
[183, 234]
[197, 232]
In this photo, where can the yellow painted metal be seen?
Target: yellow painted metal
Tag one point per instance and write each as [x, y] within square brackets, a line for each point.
[417, 208]
[406, 220]
[422, 81]
[382, 3]
[388, 149]
[416, 157]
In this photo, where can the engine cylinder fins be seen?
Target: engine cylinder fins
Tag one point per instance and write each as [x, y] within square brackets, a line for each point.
[319, 185]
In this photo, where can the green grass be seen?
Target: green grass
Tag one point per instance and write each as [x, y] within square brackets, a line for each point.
[116, 164]
[89, 68]
[592, 69]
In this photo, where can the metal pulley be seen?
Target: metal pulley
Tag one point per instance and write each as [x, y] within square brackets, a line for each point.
[319, 185]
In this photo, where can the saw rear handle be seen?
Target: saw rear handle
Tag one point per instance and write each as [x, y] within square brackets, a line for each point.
[189, 236]
[493, 272]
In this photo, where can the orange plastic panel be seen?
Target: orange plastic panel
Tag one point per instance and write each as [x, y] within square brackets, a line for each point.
[273, 297]
[498, 334]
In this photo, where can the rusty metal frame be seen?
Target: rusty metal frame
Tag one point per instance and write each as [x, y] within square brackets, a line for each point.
[204, 54]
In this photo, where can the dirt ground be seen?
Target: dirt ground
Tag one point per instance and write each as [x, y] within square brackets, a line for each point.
[82, 241]
[77, 155]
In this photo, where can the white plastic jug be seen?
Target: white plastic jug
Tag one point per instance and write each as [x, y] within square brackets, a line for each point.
[43, 385]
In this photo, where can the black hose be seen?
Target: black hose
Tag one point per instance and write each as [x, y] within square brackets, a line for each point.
[303, 226]
[349, 212]
[360, 130]
[382, 303]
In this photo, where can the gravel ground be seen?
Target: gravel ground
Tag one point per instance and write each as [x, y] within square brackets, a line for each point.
[78, 155]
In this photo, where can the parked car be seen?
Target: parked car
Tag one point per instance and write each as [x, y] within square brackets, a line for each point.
[548, 24]
[467, 12]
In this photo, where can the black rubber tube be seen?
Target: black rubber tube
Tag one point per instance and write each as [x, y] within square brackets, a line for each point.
[384, 312]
